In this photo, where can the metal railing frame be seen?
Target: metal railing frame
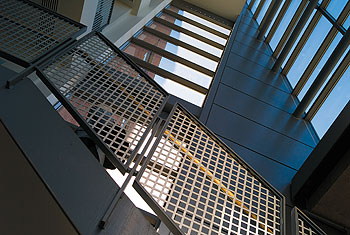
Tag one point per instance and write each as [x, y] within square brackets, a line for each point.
[134, 157]
[47, 54]
[158, 209]
[297, 215]
[157, 123]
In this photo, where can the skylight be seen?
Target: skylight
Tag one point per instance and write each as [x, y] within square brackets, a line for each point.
[307, 63]
[180, 49]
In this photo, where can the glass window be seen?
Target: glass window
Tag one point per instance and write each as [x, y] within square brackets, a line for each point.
[185, 72]
[274, 18]
[255, 6]
[333, 105]
[307, 53]
[284, 23]
[194, 29]
[146, 55]
[187, 39]
[298, 39]
[177, 50]
[347, 23]
[335, 7]
[179, 90]
[200, 20]
[263, 11]
[169, 65]
[320, 65]
[329, 77]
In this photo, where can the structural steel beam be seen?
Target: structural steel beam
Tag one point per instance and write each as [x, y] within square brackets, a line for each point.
[314, 62]
[278, 20]
[321, 51]
[329, 87]
[293, 37]
[172, 56]
[330, 18]
[290, 28]
[169, 75]
[258, 9]
[266, 21]
[181, 44]
[251, 4]
[301, 43]
[304, 38]
[227, 24]
[195, 23]
[322, 76]
[189, 33]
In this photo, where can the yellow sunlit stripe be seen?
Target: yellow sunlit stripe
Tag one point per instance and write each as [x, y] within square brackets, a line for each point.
[211, 176]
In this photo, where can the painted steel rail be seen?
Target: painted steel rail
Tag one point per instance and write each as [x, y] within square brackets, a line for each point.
[301, 224]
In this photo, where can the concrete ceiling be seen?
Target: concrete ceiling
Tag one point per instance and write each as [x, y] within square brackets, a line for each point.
[228, 9]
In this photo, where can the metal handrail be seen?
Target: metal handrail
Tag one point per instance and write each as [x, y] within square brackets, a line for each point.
[302, 224]
[205, 170]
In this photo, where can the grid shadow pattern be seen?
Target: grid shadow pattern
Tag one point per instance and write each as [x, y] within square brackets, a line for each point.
[204, 187]
[28, 31]
[115, 100]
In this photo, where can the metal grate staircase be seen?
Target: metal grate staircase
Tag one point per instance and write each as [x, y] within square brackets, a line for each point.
[188, 176]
